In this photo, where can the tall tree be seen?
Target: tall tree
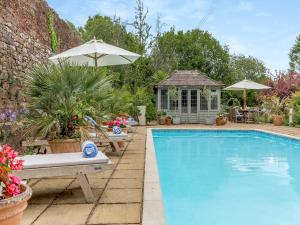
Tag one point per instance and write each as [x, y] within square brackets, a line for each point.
[195, 49]
[242, 67]
[110, 30]
[295, 56]
[141, 26]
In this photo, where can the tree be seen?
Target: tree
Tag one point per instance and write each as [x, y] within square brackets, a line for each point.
[141, 26]
[251, 68]
[295, 56]
[110, 30]
[195, 49]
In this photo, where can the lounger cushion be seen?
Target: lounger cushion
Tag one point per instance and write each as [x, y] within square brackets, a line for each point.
[61, 159]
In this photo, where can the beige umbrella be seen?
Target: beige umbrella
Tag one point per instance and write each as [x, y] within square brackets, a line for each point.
[96, 53]
[245, 85]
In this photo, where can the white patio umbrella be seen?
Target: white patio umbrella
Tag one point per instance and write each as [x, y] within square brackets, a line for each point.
[245, 85]
[96, 53]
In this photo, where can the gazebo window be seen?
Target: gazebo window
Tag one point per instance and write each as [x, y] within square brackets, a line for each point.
[193, 101]
[203, 102]
[214, 100]
[164, 99]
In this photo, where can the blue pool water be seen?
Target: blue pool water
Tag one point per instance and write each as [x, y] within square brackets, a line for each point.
[228, 177]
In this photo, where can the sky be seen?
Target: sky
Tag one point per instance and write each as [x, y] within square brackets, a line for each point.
[265, 29]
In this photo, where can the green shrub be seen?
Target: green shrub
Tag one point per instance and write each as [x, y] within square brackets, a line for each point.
[295, 104]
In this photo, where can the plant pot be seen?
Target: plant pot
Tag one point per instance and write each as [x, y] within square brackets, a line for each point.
[168, 121]
[221, 121]
[162, 120]
[125, 130]
[109, 129]
[277, 120]
[11, 209]
[176, 120]
[65, 145]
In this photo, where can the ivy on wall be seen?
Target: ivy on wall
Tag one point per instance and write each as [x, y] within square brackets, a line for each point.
[54, 40]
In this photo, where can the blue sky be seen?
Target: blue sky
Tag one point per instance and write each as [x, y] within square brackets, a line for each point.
[265, 29]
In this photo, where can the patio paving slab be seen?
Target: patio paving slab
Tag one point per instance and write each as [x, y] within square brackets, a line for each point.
[32, 212]
[75, 196]
[101, 175]
[128, 174]
[131, 166]
[125, 183]
[121, 196]
[46, 190]
[67, 214]
[116, 213]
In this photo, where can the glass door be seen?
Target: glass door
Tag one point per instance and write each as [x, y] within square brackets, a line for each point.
[184, 101]
[194, 102]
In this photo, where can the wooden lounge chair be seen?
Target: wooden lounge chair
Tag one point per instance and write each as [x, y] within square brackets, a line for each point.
[65, 164]
[106, 137]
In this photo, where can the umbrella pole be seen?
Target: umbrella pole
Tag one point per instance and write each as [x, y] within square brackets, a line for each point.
[245, 97]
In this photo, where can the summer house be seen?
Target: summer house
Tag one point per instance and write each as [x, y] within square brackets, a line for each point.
[189, 96]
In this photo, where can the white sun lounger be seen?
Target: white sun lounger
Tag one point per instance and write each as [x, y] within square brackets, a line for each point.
[65, 164]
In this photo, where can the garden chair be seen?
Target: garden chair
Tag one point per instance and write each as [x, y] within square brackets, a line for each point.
[65, 164]
[238, 117]
[106, 137]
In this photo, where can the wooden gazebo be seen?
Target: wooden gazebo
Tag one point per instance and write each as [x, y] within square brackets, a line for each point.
[197, 100]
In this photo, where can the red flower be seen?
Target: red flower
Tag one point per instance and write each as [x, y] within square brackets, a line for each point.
[8, 162]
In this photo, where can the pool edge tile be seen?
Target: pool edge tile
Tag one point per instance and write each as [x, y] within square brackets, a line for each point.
[153, 212]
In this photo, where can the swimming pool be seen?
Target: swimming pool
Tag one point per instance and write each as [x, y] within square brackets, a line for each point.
[215, 177]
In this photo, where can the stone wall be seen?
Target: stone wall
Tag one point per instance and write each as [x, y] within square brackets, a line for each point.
[24, 42]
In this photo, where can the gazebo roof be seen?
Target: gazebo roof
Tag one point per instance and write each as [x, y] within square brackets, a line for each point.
[189, 78]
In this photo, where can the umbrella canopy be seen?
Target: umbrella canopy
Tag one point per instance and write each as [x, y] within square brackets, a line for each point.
[245, 85]
[96, 53]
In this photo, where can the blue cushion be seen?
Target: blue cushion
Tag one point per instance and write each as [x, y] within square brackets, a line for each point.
[117, 130]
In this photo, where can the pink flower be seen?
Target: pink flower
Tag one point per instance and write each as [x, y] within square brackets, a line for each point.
[12, 189]
[8, 162]
[2, 160]
[14, 179]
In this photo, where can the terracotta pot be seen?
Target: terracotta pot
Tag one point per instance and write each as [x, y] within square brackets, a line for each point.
[168, 121]
[277, 120]
[162, 120]
[65, 145]
[109, 129]
[125, 130]
[11, 209]
[220, 121]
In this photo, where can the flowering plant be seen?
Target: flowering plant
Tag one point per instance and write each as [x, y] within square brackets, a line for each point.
[119, 122]
[10, 185]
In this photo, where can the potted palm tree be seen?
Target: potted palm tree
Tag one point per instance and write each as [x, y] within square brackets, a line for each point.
[13, 194]
[60, 96]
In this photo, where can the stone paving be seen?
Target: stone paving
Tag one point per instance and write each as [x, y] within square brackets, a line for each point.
[119, 191]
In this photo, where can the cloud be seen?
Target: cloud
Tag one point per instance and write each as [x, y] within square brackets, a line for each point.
[246, 6]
